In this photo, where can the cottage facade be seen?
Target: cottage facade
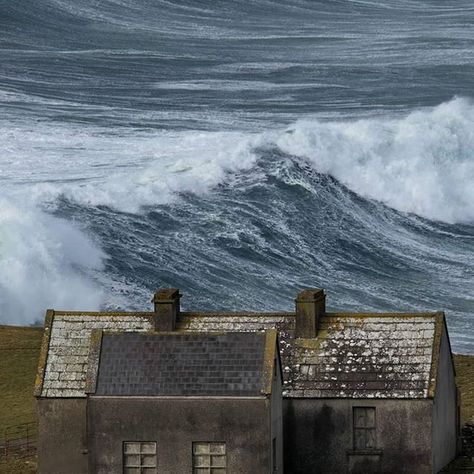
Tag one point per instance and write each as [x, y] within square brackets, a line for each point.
[362, 393]
[189, 400]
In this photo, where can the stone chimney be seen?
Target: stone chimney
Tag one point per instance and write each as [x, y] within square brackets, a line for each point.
[166, 303]
[310, 306]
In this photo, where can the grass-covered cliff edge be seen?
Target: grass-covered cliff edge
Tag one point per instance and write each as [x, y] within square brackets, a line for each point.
[19, 349]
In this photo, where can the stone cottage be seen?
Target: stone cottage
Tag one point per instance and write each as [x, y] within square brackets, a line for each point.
[362, 392]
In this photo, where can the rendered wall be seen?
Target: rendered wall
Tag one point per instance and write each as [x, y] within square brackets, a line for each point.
[62, 436]
[445, 429]
[175, 423]
[318, 437]
[277, 416]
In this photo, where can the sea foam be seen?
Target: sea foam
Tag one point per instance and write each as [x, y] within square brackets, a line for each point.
[422, 163]
[45, 262]
[154, 169]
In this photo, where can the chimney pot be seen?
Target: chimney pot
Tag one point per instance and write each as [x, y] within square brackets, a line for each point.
[166, 301]
[310, 306]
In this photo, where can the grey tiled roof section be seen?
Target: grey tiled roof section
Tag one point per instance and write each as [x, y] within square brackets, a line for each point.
[354, 356]
[365, 358]
[229, 364]
[66, 365]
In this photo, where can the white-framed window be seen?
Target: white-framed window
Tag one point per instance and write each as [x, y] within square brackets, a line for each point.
[364, 428]
[139, 457]
[209, 458]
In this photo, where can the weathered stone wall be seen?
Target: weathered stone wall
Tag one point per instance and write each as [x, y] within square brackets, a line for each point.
[320, 433]
[175, 423]
[445, 429]
[277, 416]
[62, 438]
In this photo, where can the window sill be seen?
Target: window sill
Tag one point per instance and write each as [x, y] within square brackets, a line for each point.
[364, 452]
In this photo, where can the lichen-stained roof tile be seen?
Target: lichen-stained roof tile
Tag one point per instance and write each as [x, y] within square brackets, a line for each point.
[66, 363]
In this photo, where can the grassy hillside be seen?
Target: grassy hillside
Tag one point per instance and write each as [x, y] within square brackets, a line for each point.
[19, 349]
[465, 380]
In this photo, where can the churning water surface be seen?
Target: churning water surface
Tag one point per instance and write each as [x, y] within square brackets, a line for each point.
[237, 150]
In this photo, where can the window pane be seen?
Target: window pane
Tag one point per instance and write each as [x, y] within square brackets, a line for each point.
[217, 448]
[209, 458]
[148, 448]
[148, 470]
[201, 448]
[359, 417]
[132, 460]
[132, 448]
[149, 460]
[218, 461]
[370, 418]
[359, 439]
[132, 470]
[370, 438]
[201, 461]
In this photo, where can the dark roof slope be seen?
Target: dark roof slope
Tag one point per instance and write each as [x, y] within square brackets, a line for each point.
[171, 364]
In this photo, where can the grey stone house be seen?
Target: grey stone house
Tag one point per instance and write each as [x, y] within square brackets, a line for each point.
[362, 392]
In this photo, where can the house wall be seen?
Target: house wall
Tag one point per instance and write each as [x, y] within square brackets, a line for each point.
[62, 436]
[445, 429]
[319, 437]
[277, 417]
[175, 423]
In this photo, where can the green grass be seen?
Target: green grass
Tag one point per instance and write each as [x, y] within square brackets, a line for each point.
[19, 466]
[465, 380]
[19, 350]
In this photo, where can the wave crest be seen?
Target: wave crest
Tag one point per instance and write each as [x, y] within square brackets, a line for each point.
[422, 163]
[44, 262]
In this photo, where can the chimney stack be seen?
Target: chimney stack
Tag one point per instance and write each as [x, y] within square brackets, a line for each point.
[310, 306]
[166, 303]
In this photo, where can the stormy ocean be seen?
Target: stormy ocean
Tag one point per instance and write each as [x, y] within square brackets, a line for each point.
[240, 151]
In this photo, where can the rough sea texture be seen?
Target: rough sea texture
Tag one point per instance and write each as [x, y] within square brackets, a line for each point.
[239, 151]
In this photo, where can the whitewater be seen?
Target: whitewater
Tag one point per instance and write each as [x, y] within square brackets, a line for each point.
[239, 152]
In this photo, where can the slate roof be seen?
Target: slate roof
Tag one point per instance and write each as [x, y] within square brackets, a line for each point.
[182, 364]
[389, 355]
[356, 355]
[369, 357]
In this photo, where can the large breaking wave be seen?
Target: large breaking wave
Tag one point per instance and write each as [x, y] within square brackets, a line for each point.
[421, 163]
[44, 262]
